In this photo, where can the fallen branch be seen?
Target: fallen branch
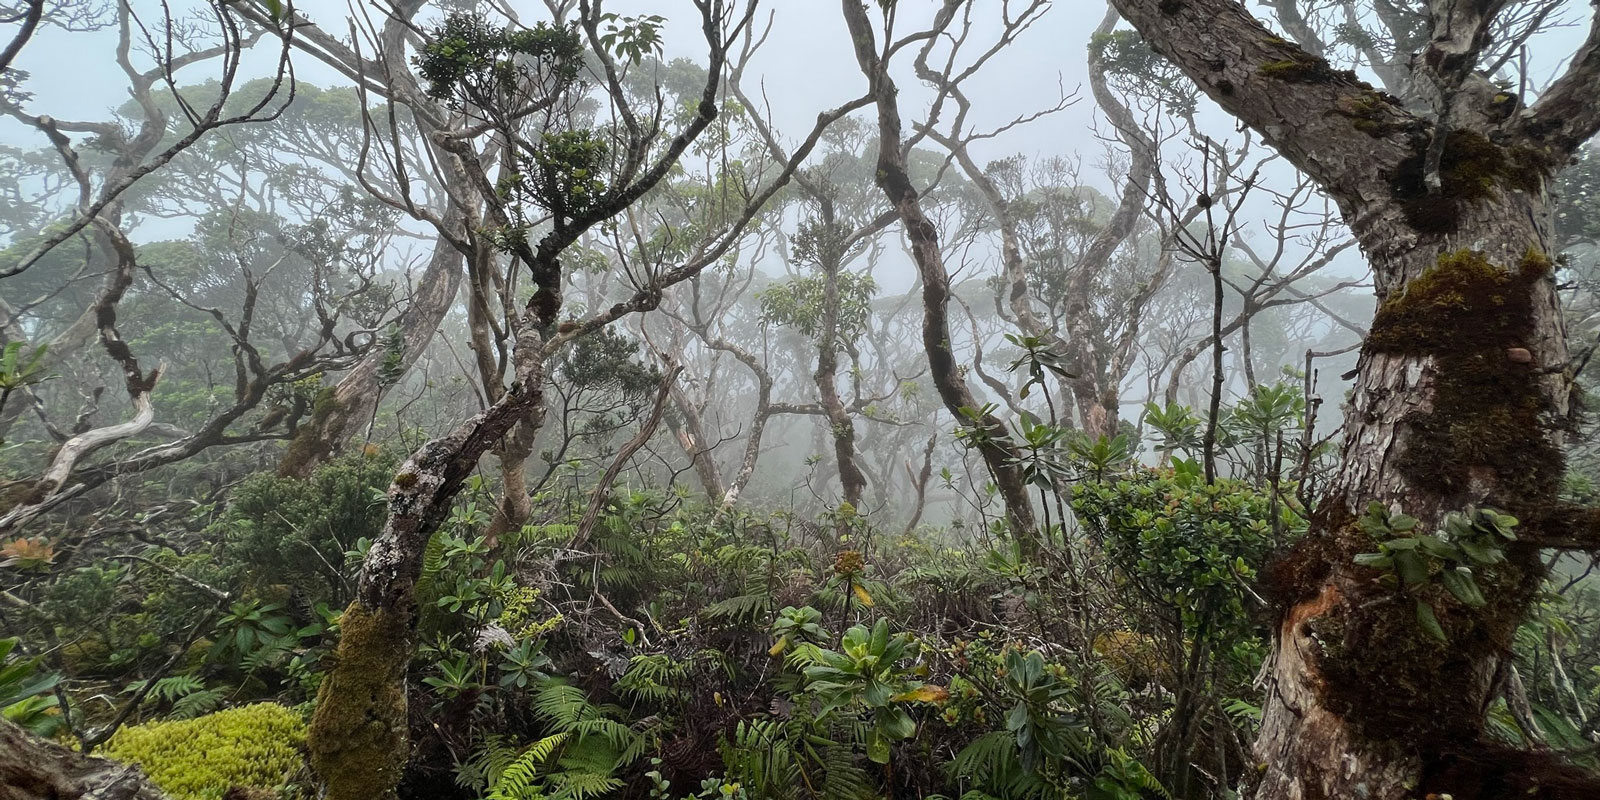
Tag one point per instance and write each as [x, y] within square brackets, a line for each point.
[34, 769]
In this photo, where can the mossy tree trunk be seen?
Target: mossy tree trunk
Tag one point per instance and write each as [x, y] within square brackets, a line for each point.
[358, 738]
[1461, 396]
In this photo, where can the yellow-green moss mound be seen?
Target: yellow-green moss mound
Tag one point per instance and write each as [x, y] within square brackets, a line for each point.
[252, 747]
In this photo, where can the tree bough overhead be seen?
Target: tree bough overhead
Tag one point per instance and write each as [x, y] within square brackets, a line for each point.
[1462, 395]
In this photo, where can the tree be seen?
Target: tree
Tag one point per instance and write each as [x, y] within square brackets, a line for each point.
[98, 221]
[1461, 395]
[983, 429]
[570, 180]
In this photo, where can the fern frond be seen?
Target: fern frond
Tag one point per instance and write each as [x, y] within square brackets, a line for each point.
[197, 704]
[489, 760]
[432, 563]
[562, 704]
[583, 785]
[742, 608]
[522, 778]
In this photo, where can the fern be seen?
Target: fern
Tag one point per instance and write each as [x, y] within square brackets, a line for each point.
[562, 705]
[198, 704]
[522, 778]
[271, 653]
[843, 777]
[432, 564]
[654, 678]
[583, 785]
[742, 608]
[488, 762]
[992, 762]
[187, 695]
[761, 757]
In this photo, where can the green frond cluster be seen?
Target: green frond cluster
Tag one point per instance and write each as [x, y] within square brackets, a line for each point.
[254, 747]
[577, 760]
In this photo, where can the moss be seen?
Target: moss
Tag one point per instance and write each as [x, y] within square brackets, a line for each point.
[1471, 169]
[248, 751]
[1395, 684]
[358, 734]
[1135, 658]
[1298, 573]
[311, 443]
[16, 493]
[1373, 113]
[1485, 428]
[1302, 67]
[1488, 415]
[88, 655]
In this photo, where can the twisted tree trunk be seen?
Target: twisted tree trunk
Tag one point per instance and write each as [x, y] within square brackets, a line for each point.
[841, 427]
[988, 433]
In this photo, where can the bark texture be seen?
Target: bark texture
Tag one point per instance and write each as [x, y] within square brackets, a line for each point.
[34, 769]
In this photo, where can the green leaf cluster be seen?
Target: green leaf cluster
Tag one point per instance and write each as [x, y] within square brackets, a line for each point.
[1474, 537]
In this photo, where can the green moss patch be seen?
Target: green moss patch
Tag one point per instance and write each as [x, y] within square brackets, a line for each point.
[251, 749]
[1471, 170]
[1298, 66]
[358, 735]
[1488, 415]
[1487, 426]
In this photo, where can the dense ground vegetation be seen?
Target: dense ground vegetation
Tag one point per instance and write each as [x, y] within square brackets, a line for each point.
[466, 400]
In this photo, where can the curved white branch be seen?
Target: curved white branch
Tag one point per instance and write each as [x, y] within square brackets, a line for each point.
[50, 488]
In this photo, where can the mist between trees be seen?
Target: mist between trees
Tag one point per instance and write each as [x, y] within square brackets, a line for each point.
[745, 400]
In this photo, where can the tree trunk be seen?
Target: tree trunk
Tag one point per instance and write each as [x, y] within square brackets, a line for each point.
[341, 410]
[689, 430]
[515, 506]
[841, 428]
[987, 433]
[1446, 411]
[358, 737]
[1461, 395]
